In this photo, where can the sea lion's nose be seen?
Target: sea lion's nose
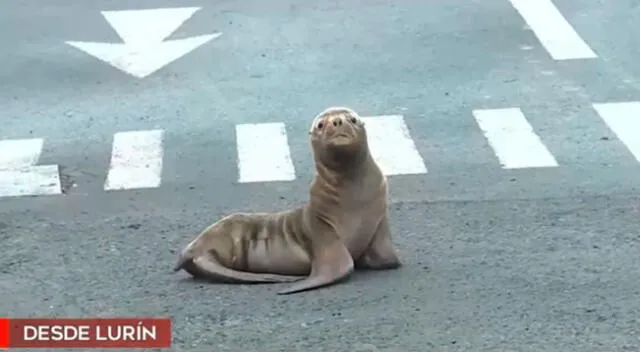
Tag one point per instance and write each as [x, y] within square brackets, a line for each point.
[336, 121]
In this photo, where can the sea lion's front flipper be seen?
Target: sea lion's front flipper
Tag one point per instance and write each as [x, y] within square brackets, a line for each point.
[380, 254]
[331, 263]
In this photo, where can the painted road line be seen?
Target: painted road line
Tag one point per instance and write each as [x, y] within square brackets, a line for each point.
[623, 119]
[19, 174]
[392, 147]
[16, 153]
[136, 160]
[143, 32]
[553, 30]
[263, 153]
[512, 139]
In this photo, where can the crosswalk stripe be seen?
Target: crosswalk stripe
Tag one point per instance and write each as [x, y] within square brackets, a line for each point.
[136, 160]
[263, 153]
[553, 30]
[20, 152]
[623, 119]
[19, 174]
[512, 139]
[392, 147]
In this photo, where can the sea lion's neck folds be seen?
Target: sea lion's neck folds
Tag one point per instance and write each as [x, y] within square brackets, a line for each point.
[351, 187]
[338, 168]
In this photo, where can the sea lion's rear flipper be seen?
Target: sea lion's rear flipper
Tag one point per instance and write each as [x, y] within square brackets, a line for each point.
[206, 266]
[331, 263]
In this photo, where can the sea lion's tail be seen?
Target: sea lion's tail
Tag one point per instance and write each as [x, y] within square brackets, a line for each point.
[186, 255]
[207, 267]
[201, 262]
[182, 260]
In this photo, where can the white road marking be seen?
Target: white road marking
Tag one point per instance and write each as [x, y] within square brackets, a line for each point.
[19, 174]
[263, 153]
[136, 160]
[143, 31]
[553, 30]
[392, 147]
[15, 153]
[623, 119]
[512, 138]
[148, 26]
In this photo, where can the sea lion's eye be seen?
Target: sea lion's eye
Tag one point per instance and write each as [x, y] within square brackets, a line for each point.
[353, 119]
[320, 124]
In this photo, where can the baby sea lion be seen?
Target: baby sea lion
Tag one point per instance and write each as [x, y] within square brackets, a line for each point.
[343, 226]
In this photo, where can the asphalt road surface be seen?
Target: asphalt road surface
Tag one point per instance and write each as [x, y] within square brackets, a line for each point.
[497, 258]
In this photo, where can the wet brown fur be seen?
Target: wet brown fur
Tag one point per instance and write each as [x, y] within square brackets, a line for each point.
[342, 227]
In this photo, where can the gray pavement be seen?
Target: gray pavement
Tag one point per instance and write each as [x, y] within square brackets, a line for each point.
[518, 275]
[495, 259]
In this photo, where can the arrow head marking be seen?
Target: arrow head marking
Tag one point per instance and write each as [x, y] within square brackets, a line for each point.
[149, 26]
[142, 61]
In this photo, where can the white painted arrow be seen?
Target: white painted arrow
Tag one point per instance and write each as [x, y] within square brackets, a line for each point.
[143, 32]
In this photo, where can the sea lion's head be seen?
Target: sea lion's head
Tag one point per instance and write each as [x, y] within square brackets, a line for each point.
[338, 135]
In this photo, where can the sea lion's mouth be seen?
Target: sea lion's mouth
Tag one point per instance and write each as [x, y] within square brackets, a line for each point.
[341, 138]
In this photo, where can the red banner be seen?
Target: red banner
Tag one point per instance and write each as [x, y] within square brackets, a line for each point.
[86, 333]
[4, 333]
